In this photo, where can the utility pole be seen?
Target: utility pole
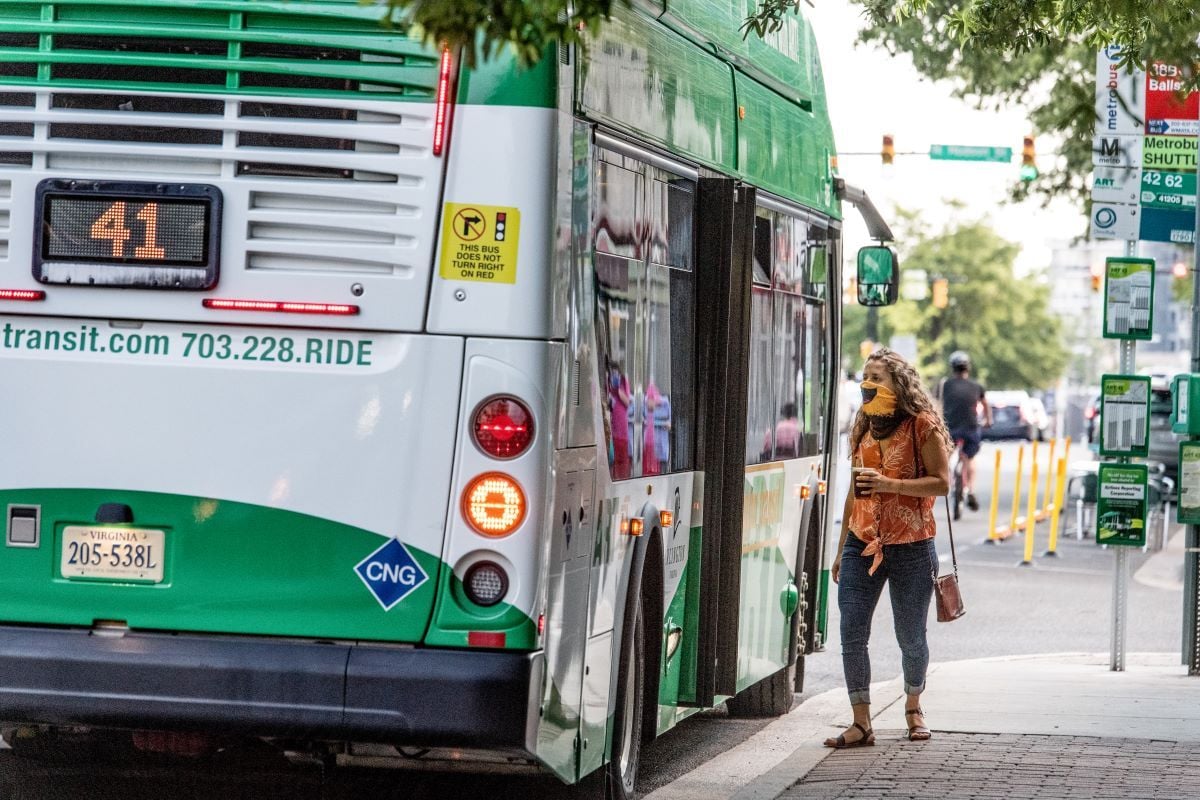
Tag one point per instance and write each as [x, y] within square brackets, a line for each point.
[1191, 553]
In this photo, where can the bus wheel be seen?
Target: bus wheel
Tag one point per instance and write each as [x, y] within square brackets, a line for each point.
[616, 779]
[770, 697]
[627, 723]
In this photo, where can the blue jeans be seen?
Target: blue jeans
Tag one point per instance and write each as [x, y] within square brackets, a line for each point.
[908, 570]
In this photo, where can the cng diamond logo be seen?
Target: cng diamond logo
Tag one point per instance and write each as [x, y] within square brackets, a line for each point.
[391, 573]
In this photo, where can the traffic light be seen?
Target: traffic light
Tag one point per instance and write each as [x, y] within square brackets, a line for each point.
[1029, 169]
[888, 153]
[1179, 269]
[941, 293]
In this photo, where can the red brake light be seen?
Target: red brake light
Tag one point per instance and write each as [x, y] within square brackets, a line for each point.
[445, 103]
[283, 307]
[22, 294]
[503, 427]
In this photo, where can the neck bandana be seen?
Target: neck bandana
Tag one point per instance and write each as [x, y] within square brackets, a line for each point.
[879, 404]
[878, 401]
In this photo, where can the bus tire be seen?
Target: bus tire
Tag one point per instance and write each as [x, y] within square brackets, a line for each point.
[770, 697]
[617, 779]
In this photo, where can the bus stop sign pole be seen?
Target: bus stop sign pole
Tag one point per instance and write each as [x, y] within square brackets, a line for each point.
[1191, 571]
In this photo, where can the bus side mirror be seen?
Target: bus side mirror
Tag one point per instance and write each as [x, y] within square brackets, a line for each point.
[878, 276]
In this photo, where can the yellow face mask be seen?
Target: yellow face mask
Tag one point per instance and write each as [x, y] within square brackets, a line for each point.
[878, 400]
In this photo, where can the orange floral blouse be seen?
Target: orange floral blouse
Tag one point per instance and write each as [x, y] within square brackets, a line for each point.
[885, 518]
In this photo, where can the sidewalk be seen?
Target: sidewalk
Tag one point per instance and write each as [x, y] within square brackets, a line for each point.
[1045, 726]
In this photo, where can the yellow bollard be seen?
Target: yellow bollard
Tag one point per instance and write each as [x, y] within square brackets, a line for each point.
[1049, 496]
[1067, 450]
[993, 537]
[1031, 516]
[1016, 505]
[1059, 487]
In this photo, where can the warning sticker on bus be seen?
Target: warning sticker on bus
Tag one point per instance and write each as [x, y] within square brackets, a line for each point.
[479, 243]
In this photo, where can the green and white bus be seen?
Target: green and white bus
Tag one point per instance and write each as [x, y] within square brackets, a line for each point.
[399, 413]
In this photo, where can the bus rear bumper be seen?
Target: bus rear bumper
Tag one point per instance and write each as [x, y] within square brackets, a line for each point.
[268, 687]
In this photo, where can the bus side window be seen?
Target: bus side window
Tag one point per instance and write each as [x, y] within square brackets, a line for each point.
[670, 306]
[760, 407]
[619, 270]
[791, 422]
[616, 286]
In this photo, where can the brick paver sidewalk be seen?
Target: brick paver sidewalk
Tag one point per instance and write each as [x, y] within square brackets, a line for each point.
[1005, 766]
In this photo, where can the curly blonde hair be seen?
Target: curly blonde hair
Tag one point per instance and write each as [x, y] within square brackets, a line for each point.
[911, 397]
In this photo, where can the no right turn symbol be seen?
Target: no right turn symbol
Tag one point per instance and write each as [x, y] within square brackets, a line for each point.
[469, 224]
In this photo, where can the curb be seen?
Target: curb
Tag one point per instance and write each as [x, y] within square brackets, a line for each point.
[783, 752]
[786, 750]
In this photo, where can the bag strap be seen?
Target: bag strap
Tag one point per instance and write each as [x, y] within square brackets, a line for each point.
[946, 497]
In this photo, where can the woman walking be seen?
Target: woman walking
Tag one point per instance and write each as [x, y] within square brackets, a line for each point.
[900, 455]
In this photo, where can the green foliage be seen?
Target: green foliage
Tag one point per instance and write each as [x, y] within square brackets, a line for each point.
[480, 27]
[1059, 71]
[1002, 321]
[999, 52]
[1163, 29]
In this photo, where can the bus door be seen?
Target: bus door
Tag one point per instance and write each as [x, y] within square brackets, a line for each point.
[724, 250]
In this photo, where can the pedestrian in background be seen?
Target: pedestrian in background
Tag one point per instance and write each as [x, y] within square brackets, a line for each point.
[900, 455]
[849, 400]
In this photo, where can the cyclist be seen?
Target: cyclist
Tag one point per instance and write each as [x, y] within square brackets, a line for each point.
[961, 397]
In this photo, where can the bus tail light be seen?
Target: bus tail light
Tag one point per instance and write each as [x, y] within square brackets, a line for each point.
[444, 110]
[503, 427]
[28, 295]
[494, 505]
[281, 306]
[485, 584]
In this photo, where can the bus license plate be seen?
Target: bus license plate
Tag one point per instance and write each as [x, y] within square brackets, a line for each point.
[101, 552]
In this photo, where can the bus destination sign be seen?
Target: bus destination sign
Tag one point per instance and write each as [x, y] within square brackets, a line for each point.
[127, 234]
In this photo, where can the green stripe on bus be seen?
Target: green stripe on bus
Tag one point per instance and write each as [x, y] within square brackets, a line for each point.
[230, 567]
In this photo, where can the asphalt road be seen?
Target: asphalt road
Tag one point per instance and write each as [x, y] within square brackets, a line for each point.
[1057, 605]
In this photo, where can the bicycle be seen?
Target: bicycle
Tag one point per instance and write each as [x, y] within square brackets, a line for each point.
[957, 490]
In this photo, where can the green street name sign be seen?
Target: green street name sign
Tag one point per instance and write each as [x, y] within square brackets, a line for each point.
[1168, 189]
[966, 152]
[1121, 505]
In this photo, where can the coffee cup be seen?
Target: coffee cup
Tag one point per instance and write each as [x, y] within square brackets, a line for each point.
[859, 490]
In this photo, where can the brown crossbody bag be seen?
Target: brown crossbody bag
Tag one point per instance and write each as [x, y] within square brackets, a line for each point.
[945, 587]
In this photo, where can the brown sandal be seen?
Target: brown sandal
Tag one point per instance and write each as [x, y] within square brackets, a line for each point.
[840, 743]
[917, 733]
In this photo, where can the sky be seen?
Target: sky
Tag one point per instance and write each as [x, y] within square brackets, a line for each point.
[871, 94]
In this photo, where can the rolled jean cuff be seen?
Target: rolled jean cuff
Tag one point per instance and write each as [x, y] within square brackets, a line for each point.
[860, 696]
[910, 689]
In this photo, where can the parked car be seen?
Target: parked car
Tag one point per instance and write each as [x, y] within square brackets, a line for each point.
[1016, 415]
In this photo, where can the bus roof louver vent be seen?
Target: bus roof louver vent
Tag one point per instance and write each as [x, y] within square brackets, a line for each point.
[295, 49]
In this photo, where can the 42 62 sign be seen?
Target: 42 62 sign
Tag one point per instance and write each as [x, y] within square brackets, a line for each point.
[1168, 189]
